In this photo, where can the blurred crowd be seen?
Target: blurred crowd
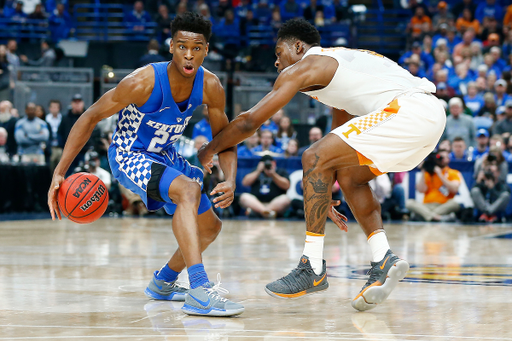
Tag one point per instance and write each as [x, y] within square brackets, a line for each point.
[465, 48]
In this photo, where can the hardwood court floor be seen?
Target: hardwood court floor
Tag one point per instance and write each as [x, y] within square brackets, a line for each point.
[62, 281]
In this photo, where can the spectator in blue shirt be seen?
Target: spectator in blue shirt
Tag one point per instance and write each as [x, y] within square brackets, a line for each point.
[153, 55]
[290, 9]
[507, 46]
[266, 143]
[474, 101]
[246, 149]
[137, 18]
[262, 12]
[498, 61]
[31, 132]
[228, 29]
[459, 150]
[482, 143]
[500, 87]
[507, 153]
[459, 81]
[426, 60]
[270, 125]
[61, 23]
[489, 8]
[242, 8]
[413, 67]
[16, 12]
[203, 127]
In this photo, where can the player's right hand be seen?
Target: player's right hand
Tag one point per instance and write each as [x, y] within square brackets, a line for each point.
[52, 196]
[205, 158]
[339, 219]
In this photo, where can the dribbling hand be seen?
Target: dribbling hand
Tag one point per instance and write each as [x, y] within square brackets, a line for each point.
[336, 217]
[205, 158]
[52, 196]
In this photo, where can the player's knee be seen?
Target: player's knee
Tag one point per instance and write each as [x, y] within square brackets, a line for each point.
[348, 182]
[309, 158]
[189, 193]
[215, 229]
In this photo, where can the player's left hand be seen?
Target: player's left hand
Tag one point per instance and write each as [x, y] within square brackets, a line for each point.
[205, 158]
[339, 219]
[227, 188]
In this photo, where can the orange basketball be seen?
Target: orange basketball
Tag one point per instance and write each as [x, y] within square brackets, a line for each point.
[83, 198]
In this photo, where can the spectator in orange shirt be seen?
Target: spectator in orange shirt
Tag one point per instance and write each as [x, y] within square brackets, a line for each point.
[507, 21]
[466, 21]
[440, 184]
[419, 23]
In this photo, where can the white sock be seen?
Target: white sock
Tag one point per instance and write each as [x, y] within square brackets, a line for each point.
[314, 250]
[379, 244]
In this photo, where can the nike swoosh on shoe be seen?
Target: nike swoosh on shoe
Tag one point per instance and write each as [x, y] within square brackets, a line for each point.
[203, 303]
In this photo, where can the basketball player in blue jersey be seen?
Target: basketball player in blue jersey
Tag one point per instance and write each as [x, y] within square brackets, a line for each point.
[384, 120]
[154, 105]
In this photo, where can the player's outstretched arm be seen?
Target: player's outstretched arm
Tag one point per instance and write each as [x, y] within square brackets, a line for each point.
[286, 86]
[215, 99]
[132, 89]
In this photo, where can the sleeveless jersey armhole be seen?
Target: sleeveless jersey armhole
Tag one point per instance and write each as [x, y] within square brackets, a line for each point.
[156, 98]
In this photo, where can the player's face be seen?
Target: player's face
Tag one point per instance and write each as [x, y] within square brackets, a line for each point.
[286, 55]
[188, 52]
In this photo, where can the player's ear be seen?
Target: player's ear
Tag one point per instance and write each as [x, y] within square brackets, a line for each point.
[171, 46]
[207, 48]
[298, 46]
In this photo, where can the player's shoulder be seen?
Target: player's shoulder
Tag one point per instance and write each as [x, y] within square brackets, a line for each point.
[213, 91]
[140, 75]
[140, 80]
[210, 79]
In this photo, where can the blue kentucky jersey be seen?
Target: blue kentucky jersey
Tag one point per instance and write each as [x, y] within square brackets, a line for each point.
[156, 125]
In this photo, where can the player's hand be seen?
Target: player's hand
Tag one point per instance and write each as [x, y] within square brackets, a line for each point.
[227, 188]
[205, 158]
[52, 196]
[339, 219]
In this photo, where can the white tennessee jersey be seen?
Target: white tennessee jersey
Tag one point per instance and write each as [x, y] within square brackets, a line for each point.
[365, 81]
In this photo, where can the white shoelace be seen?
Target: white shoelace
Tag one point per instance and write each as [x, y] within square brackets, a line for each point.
[216, 290]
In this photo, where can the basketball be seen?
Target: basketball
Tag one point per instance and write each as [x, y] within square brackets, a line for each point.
[83, 198]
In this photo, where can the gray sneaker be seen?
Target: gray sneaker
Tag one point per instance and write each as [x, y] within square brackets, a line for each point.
[384, 277]
[205, 300]
[161, 290]
[301, 281]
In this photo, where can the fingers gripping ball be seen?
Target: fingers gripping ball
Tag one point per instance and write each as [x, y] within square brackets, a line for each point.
[83, 198]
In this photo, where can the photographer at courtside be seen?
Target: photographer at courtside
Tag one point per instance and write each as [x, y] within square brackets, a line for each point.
[268, 189]
[491, 193]
[440, 184]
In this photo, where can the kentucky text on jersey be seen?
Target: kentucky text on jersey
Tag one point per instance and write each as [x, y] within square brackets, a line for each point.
[176, 128]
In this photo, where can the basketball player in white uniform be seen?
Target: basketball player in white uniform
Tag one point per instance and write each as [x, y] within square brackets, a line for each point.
[384, 120]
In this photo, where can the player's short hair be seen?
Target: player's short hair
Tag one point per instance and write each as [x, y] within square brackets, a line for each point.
[192, 22]
[299, 29]
[457, 139]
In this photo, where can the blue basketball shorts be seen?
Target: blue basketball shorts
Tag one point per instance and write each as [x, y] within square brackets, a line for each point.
[150, 175]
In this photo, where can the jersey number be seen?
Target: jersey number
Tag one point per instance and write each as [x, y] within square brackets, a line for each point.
[162, 140]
